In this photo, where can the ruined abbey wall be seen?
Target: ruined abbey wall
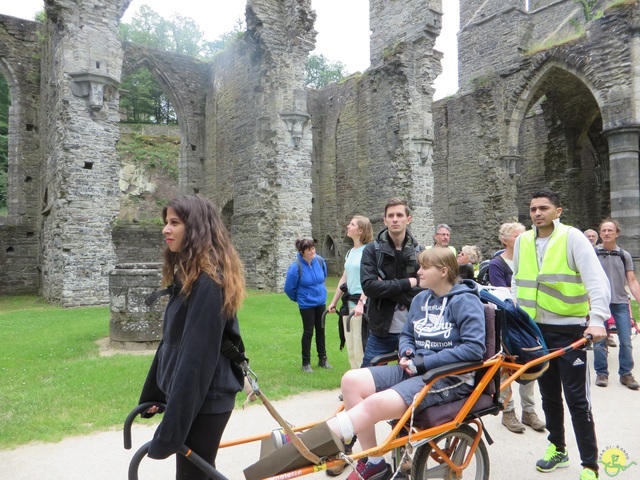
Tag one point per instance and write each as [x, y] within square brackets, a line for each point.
[20, 66]
[552, 104]
[546, 99]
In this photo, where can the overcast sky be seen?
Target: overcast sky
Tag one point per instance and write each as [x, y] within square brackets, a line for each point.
[342, 25]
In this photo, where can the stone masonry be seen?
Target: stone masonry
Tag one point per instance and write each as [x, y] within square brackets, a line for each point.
[548, 98]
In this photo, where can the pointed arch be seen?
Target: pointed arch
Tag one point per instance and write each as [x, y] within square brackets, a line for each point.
[531, 92]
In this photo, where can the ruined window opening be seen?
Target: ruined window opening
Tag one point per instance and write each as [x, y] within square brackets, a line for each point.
[88, 165]
[142, 99]
[30, 234]
[193, 147]
[27, 179]
[10, 250]
[98, 65]
[196, 190]
[30, 127]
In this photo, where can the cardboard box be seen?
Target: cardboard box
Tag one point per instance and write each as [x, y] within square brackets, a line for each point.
[319, 439]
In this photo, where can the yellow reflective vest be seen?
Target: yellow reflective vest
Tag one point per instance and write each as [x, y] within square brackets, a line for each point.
[555, 286]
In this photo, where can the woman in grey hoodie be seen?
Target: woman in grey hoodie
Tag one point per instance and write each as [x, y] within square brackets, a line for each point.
[445, 325]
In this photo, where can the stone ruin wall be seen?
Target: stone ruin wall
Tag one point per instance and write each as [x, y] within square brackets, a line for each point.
[19, 243]
[490, 155]
[258, 138]
[283, 162]
[373, 133]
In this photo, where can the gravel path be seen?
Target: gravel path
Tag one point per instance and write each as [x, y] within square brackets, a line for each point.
[101, 456]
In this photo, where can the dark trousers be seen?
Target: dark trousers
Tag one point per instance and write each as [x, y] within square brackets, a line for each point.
[312, 319]
[569, 373]
[204, 439]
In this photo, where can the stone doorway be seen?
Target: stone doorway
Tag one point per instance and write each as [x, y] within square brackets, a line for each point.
[562, 147]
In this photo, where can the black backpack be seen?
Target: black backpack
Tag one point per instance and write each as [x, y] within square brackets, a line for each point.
[483, 273]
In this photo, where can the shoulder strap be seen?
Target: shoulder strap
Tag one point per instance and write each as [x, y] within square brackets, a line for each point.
[376, 246]
[299, 268]
[623, 256]
[505, 266]
[602, 252]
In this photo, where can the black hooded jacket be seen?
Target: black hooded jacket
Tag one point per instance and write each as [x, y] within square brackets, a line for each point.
[384, 276]
[188, 372]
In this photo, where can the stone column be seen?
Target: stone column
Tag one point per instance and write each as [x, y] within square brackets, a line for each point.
[135, 325]
[625, 180]
[82, 64]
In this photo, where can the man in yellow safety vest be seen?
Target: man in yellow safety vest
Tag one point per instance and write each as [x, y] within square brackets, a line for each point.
[558, 280]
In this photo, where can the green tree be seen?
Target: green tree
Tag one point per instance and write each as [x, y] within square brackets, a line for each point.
[142, 99]
[320, 72]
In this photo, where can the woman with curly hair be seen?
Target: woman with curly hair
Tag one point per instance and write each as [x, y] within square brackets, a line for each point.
[198, 385]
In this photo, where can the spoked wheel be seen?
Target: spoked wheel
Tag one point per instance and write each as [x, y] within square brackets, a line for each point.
[456, 443]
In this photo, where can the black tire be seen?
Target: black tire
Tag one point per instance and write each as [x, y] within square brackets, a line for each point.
[457, 443]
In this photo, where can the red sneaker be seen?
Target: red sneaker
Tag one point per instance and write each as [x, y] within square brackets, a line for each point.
[371, 471]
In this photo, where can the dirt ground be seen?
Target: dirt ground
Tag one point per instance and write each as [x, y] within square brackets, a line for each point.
[101, 456]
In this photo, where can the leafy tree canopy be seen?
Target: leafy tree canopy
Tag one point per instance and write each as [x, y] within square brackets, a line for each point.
[179, 34]
[320, 72]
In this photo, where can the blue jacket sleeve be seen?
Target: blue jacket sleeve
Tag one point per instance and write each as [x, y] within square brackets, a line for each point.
[196, 362]
[291, 282]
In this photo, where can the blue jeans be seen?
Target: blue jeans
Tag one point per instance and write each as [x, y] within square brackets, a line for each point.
[379, 346]
[620, 312]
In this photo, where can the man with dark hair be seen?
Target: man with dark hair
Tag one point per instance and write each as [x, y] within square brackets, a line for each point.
[618, 266]
[558, 280]
[389, 279]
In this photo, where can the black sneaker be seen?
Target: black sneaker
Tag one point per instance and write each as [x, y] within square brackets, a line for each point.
[552, 459]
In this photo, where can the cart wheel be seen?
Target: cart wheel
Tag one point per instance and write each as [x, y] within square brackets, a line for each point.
[456, 444]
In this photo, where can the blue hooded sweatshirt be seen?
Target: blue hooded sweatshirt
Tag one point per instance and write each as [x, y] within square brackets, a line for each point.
[305, 282]
[444, 330]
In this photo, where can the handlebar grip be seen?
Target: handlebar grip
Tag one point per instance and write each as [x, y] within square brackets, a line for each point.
[136, 459]
[126, 431]
[199, 462]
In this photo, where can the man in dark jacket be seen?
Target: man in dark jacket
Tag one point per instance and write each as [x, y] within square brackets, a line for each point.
[388, 274]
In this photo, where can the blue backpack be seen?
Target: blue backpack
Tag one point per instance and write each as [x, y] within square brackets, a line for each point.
[520, 335]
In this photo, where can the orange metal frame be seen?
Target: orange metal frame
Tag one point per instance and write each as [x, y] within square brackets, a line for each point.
[499, 363]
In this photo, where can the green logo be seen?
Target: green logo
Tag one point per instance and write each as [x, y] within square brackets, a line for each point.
[614, 460]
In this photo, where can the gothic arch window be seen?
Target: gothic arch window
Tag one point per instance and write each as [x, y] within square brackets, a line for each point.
[560, 140]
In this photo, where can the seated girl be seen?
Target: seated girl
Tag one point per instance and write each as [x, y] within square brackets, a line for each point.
[445, 325]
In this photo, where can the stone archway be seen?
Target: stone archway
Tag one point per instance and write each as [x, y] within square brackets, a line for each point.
[184, 83]
[556, 130]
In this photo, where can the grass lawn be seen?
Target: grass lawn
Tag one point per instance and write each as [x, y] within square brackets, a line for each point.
[54, 383]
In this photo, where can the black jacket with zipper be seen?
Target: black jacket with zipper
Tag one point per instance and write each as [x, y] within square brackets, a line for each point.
[384, 276]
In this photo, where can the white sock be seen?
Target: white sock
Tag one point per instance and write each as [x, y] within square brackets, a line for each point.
[345, 426]
[375, 460]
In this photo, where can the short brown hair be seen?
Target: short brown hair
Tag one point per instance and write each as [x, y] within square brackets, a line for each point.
[394, 202]
[439, 258]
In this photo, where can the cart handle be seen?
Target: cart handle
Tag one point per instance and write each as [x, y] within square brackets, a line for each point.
[184, 450]
[126, 431]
